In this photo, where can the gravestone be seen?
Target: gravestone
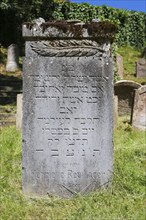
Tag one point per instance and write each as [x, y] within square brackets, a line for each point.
[139, 109]
[141, 68]
[67, 109]
[115, 111]
[12, 58]
[124, 89]
[120, 68]
[19, 111]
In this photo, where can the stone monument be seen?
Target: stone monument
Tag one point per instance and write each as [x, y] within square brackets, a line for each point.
[139, 109]
[120, 68]
[141, 68]
[12, 58]
[124, 89]
[67, 108]
[115, 111]
[19, 111]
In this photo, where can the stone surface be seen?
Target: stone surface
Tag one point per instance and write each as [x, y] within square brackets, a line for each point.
[12, 58]
[141, 68]
[139, 109]
[120, 68]
[67, 116]
[19, 111]
[124, 89]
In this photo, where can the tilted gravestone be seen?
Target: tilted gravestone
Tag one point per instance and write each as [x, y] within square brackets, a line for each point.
[12, 58]
[141, 68]
[67, 108]
[139, 109]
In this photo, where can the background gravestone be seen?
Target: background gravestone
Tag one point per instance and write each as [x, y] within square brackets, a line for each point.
[12, 58]
[19, 111]
[141, 68]
[124, 89]
[120, 68]
[139, 109]
[67, 108]
[115, 111]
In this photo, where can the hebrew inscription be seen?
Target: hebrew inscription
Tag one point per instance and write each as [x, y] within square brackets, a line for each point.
[67, 121]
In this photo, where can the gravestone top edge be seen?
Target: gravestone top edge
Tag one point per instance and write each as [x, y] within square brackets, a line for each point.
[102, 31]
[127, 83]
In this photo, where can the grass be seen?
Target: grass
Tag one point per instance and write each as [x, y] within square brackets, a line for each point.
[130, 56]
[9, 108]
[123, 201]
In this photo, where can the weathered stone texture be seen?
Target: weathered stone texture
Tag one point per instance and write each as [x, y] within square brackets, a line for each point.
[124, 89]
[12, 58]
[115, 111]
[141, 68]
[67, 116]
[19, 111]
[120, 68]
[139, 109]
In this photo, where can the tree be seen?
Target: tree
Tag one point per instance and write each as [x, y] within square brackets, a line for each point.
[14, 13]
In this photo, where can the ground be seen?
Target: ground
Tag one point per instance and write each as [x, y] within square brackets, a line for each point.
[125, 200]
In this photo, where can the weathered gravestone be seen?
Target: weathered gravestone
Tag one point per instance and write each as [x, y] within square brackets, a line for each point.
[141, 68]
[120, 68]
[12, 58]
[115, 111]
[124, 89]
[19, 111]
[67, 108]
[139, 109]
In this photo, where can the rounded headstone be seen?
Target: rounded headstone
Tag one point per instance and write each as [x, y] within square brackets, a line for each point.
[124, 89]
[12, 58]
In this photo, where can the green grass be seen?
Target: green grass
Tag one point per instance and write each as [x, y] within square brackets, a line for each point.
[130, 56]
[9, 108]
[123, 201]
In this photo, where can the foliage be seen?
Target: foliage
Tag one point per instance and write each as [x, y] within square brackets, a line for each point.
[131, 24]
[124, 200]
[14, 13]
[131, 55]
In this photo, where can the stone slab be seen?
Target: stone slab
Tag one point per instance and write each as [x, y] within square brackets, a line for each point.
[67, 117]
[19, 111]
[141, 68]
[12, 64]
[120, 68]
[124, 89]
[115, 111]
[139, 109]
